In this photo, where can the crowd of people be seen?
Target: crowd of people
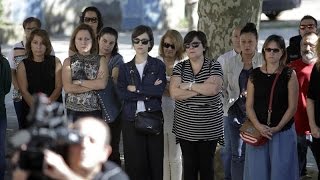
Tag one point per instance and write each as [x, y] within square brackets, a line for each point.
[203, 102]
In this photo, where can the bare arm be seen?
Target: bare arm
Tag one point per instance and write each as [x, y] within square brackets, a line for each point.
[178, 90]
[14, 79]
[58, 82]
[211, 87]
[293, 90]
[101, 81]
[23, 84]
[68, 86]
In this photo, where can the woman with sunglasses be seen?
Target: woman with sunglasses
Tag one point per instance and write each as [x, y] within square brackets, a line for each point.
[236, 74]
[278, 158]
[141, 84]
[195, 85]
[108, 47]
[83, 73]
[170, 52]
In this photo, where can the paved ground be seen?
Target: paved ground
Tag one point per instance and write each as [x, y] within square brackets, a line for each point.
[286, 27]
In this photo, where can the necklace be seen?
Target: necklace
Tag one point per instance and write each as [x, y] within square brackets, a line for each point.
[269, 74]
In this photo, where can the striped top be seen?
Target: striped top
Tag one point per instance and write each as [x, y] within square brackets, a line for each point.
[199, 117]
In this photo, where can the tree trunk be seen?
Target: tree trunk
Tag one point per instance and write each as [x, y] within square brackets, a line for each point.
[217, 19]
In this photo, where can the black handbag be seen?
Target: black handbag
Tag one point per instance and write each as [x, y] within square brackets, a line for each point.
[150, 123]
[110, 103]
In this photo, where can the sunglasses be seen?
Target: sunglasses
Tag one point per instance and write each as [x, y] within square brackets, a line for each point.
[88, 19]
[275, 50]
[309, 26]
[167, 45]
[193, 44]
[143, 41]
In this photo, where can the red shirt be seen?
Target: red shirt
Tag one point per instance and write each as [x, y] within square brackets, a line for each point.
[303, 71]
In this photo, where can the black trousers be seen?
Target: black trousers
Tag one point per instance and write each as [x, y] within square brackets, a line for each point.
[315, 148]
[115, 130]
[143, 153]
[198, 157]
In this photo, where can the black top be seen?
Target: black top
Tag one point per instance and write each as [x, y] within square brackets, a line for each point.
[314, 92]
[41, 76]
[262, 87]
[293, 49]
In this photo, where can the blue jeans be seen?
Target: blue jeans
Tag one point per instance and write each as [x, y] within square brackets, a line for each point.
[226, 150]
[18, 109]
[276, 160]
[3, 128]
[237, 148]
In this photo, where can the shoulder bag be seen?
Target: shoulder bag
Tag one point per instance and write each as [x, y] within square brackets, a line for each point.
[250, 134]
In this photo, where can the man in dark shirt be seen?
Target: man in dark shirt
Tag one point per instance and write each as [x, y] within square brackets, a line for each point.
[307, 24]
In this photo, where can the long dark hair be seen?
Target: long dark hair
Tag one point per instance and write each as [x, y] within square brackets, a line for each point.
[109, 30]
[99, 16]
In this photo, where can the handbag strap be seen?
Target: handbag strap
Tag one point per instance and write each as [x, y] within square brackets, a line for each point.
[271, 96]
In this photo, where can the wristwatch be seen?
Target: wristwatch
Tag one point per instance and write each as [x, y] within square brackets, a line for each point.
[80, 81]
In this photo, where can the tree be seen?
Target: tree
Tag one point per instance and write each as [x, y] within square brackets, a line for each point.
[217, 19]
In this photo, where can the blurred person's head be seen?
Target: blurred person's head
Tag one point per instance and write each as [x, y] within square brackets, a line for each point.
[274, 50]
[142, 39]
[94, 149]
[307, 24]
[171, 45]
[308, 47]
[92, 16]
[235, 39]
[108, 41]
[30, 24]
[248, 39]
[38, 44]
[83, 40]
[195, 44]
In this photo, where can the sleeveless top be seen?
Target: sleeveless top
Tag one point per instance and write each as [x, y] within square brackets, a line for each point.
[86, 68]
[262, 86]
[41, 75]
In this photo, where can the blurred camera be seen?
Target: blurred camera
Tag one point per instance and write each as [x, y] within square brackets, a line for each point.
[48, 130]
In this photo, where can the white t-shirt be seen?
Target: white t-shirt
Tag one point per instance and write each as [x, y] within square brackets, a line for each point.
[140, 104]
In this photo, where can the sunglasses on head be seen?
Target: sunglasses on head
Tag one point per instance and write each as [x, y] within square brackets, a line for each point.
[193, 44]
[275, 50]
[167, 45]
[143, 41]
[88, 19]
[309, 26]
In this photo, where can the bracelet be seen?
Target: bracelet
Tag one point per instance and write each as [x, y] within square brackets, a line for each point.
[190, 86]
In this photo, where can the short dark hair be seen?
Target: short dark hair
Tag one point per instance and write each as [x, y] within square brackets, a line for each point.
[200, 35]
[282, 45]
[249, 28]
[99, 16]
[86, 27]
[309, 17]
[143, 29]
[109, 30]
[31, 19]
